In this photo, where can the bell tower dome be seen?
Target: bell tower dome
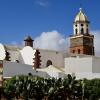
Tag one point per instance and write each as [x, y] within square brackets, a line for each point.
[81, 23]
[82, 41]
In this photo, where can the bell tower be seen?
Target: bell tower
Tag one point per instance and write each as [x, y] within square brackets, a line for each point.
[82, 41]
[28, 41]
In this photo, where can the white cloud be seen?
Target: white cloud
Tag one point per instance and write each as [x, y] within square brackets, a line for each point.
[51, 40]
[55, 41]
[96, 42]
[43, 3]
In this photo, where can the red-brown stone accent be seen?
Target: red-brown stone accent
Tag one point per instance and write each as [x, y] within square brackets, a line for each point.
[37, 61]
[82, 50]
[1, 66]
[7, 56]
[82, 44]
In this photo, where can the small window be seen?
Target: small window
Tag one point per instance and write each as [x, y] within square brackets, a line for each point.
[82, 31]
[78, 51]
[76, 31]
[82, 25]
[73, 51]
[87, 31]
[76, 25]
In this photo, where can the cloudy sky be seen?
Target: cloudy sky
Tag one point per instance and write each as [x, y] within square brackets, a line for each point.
[49, 22]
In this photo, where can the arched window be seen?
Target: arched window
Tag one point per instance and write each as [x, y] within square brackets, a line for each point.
[87, 31]
[79, 51]
[82, 31]
[76, 31]
[49, 62]
[82, 25]
[73, 51]
[87, 25]
[76, 25]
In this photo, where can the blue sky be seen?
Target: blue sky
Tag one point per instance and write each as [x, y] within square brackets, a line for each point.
[19, 18]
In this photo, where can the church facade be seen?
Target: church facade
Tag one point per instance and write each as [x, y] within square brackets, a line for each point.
[80, 61]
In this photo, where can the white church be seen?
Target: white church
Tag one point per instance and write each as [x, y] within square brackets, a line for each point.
[80, 61]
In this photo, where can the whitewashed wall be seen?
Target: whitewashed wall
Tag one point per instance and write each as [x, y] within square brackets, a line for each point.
[83, 67]
[57, 58]
[96, 65]
[27, 55]
[87, 75]
[14, 55]
[78, 65]
[11, 69]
